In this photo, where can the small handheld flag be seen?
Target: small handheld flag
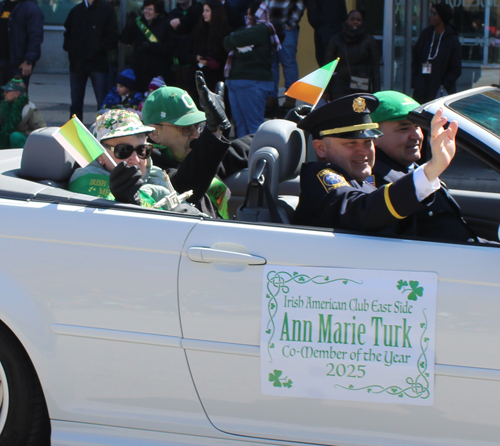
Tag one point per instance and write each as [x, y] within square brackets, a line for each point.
[79, 142]
[311, 87]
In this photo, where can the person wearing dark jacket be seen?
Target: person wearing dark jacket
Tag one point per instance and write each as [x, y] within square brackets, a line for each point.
[183, 19]
[359, 66]
[334, 190]
[150, 35]
[91, 31]
[21, 37]
[397, 152]
[437, 57]
[326, 18]
[190, 155]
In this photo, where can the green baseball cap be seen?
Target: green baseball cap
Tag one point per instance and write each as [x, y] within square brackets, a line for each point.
[172, 105]
[393, 106]
[15, 85]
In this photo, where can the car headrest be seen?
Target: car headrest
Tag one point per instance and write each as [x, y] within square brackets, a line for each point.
[44, 158]
[287, 139]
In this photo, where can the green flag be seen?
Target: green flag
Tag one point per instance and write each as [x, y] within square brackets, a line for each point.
[79, 142]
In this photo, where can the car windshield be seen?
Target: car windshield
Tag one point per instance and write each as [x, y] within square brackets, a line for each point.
[483, 109]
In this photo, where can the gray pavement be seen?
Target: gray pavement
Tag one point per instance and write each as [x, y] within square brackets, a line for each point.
[51, 94]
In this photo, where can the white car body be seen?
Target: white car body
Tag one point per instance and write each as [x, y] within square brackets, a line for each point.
[144, 327]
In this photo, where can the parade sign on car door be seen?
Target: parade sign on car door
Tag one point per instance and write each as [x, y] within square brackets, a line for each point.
[349, 334]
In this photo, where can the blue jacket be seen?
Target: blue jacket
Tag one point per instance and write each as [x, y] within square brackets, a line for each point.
[25, 32]
[113, 99]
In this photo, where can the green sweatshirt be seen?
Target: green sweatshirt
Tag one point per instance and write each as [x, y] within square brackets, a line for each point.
[94, 180]
[251, 65]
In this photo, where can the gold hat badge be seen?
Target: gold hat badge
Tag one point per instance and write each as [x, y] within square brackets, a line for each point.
[359, 105]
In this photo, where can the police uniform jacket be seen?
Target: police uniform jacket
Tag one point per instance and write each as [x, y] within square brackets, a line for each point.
[332, 198]
[441, 220]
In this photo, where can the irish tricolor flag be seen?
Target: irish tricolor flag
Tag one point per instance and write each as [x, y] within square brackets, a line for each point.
[310, 88]
[79, 142]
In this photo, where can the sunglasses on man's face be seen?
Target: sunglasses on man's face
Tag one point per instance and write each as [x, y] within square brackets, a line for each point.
[124, 151]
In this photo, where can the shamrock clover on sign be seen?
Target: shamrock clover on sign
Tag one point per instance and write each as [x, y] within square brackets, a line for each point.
[414, 289]
[276, 379]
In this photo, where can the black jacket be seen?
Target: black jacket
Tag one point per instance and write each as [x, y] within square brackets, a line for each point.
[197, 170]
[150, 59]
[25, 32]
[441, 220]
[90, 33]
[189, 18]
[333, 199]
[446, 66]
[359, 57]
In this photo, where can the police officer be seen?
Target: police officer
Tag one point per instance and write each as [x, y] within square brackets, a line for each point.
[334, 192]
[397, 152]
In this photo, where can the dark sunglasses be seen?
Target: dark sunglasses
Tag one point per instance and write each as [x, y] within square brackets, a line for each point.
[124, 151]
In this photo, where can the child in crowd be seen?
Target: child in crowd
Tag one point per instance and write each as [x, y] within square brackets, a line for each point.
[18, 115]
[155, 83]
[124, 94]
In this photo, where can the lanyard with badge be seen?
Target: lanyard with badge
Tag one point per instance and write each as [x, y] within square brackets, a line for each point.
[427, 66]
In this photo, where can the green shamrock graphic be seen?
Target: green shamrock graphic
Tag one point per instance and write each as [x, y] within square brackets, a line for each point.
[401, 284]
[415, 289]
[276, 379]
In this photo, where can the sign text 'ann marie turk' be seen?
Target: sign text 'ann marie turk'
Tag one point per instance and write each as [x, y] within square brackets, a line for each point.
[346, 334]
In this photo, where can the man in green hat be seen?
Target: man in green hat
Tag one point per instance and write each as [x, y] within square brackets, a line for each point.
[187, 149]
[18, 115]
[334, 193]
[397, 154]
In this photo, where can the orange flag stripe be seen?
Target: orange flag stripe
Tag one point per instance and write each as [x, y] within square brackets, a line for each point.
[304, 92]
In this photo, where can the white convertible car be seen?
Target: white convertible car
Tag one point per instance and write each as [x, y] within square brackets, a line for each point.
[122, 325]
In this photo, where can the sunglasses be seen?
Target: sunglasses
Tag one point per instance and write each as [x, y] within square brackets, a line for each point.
[187, 130]
[124, 151]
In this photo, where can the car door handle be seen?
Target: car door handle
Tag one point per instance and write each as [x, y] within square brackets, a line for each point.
[210, 255]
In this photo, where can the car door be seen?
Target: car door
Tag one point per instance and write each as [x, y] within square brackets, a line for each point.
[92, 295]
[222, 280]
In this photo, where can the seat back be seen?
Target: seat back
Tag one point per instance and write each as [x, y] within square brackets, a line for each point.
[44, 159]
[276, 155]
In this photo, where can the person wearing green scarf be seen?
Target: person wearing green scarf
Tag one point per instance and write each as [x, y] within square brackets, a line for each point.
[187, 149]
[18, 116]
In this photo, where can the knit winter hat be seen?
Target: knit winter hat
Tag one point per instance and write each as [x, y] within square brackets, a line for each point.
[156, 83]
[127, 79]
[118, 123]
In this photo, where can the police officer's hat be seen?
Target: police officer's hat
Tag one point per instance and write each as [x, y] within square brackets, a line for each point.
[347, 117]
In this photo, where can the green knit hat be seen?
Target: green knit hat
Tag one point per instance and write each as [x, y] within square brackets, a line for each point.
[393, 106]
[172, 105]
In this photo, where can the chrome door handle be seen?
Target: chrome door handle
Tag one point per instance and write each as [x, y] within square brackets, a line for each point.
[209, 255]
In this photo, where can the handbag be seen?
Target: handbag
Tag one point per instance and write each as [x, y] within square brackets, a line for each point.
[357, 83]
[360, 83]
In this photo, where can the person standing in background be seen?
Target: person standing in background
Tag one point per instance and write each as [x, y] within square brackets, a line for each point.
[248, 68]
[326, 18]
[437, 57]
[149, 35]
[183, 20]
[358, 70]
[21, 37]
[285, 17]
[91, 31]
[207, 53]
